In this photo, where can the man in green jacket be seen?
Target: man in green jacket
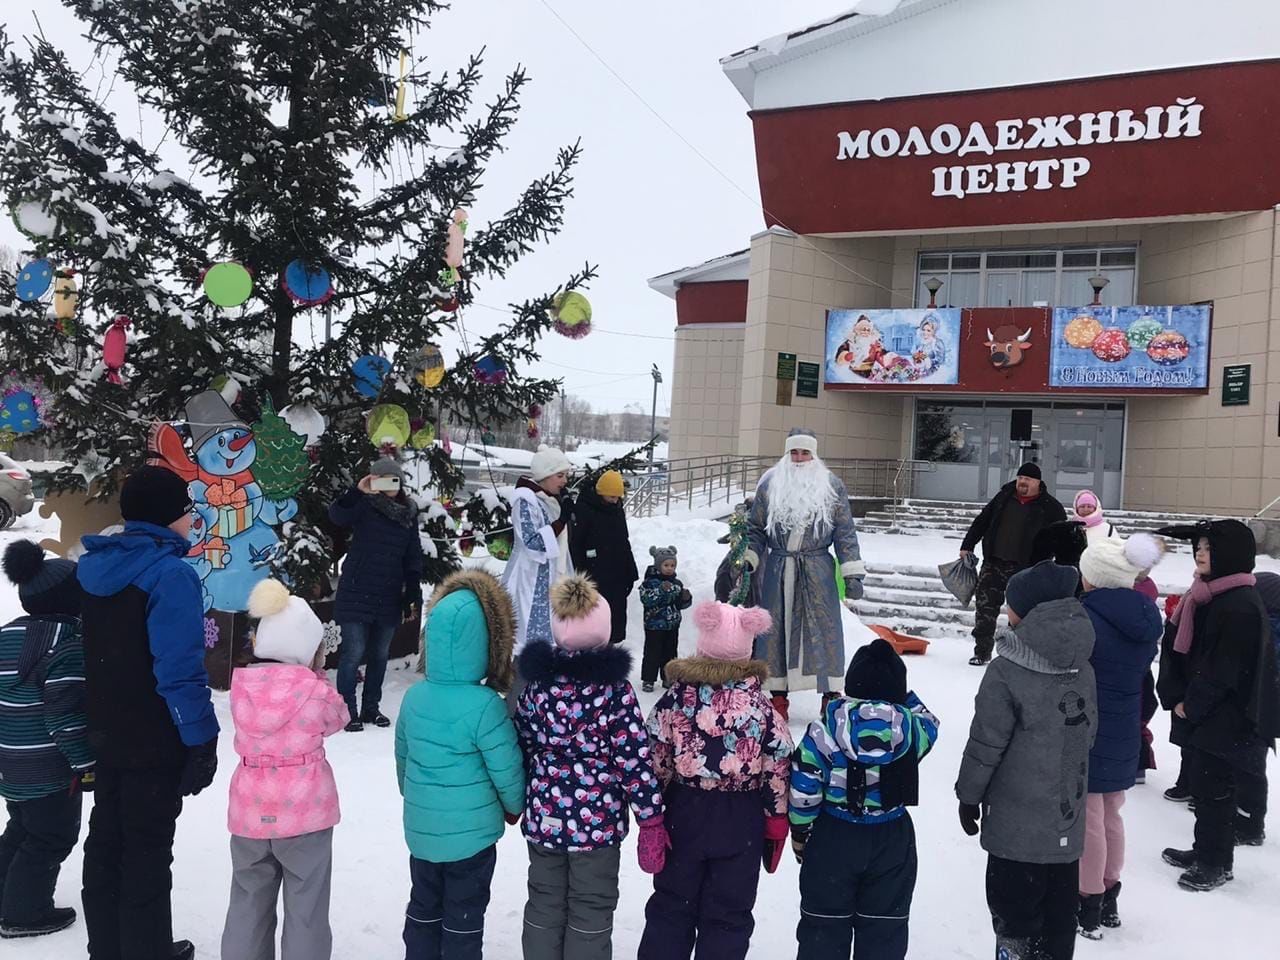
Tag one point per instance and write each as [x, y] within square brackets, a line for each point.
[459, 766]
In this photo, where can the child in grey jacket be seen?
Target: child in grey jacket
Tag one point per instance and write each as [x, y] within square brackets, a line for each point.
[1025, 772]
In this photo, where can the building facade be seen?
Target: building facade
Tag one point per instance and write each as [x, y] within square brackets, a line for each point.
[997, 233]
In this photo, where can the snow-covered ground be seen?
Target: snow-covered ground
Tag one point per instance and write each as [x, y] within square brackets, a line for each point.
[949, 918]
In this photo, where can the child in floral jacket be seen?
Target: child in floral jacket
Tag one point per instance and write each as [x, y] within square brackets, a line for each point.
[723, 753]
[587, 754]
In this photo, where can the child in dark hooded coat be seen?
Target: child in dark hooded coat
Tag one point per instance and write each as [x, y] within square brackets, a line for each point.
[1218, 676]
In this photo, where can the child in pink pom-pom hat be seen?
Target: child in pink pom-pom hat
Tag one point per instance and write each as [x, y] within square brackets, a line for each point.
[587, 755]
[723, 753]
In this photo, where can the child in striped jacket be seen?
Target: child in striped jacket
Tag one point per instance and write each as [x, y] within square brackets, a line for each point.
[44, 754]
[852, 778]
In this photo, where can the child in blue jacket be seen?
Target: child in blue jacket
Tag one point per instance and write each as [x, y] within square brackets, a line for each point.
[663, 597]
[852, 778]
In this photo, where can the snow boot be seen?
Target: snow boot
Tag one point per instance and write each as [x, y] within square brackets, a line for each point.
[1202, 878]
[59, 918]
[1178, 794]
[1016, 948]
[355, 726]
[1186, 860]
[375, 717]
[1089, 916]
[647, 686]
[1249, 832]
[976, 661]
[782, 704]
[1111, 906]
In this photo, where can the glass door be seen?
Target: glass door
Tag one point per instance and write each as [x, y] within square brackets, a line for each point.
[1004, 455]
[1077, 455]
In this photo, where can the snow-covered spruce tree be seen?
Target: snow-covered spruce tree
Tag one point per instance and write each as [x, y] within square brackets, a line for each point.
[283, 112]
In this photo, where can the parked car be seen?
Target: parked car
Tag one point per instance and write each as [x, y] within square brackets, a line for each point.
[16, 499]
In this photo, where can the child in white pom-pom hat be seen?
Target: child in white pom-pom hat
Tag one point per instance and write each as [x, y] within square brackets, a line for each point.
[284, 801]
[1127, 629]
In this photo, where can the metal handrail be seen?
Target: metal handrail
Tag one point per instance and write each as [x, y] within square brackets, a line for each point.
[1258, 515]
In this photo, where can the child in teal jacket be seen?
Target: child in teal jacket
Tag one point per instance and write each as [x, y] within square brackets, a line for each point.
[460, 769]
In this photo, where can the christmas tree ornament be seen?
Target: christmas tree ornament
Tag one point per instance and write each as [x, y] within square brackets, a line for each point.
[18, 412]
[445, 443]
[115, 342]
[66, 295]
[306, 421]
[456, 239]
[447, 304]
[423, 437]
[369, 372]
[34, 219]
[535, 411]
[400, 116]
[388, 425]
[282, 465]
[428, 366]
[306, 285]
[571, 312]
[228, 284]
[34, 280]
[228, 388]
[7, 440]
[499, 546]
[467, 543]
[532, 431]
[490, 371]
[448, 276]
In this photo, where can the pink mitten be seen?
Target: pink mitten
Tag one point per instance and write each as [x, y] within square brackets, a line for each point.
[776, 829]
[652, 845]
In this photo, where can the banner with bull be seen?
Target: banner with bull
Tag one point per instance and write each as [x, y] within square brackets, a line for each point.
[893, 347]
[1136, 347]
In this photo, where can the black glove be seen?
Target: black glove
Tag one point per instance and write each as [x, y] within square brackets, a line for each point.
[970, 814]
[198, 771]
[853, 588]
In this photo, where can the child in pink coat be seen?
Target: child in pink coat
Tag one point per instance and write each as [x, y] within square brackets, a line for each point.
[284, 801]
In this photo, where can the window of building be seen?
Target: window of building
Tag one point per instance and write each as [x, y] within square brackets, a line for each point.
[1014, 278]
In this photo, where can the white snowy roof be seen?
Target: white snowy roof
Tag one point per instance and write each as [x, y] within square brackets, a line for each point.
[878, 49]
[730, 266]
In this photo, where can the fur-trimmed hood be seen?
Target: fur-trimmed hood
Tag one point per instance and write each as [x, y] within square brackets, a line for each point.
[542, 662]
[442, 637]
[716, 673]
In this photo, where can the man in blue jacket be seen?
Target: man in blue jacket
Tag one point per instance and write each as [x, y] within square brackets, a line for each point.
[151, 720]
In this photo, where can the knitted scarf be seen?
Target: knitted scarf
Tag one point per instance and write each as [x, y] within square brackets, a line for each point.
[1202, 591]
[403, 512]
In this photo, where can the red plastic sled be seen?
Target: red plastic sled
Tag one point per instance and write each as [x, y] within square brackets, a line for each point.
[901, 642]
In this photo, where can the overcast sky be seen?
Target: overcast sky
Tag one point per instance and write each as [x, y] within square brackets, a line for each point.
[645, 202]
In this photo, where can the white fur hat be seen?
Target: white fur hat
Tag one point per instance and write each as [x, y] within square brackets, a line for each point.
[801, 439]
[547, 462]
[288, 629]
[1112, 562]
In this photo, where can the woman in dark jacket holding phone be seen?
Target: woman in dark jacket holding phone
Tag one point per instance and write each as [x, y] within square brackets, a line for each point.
[381, 582]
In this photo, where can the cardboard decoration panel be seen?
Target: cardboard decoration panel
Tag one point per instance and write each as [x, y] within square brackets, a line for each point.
[79, 515]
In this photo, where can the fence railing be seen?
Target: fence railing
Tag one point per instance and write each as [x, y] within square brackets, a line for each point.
[696, 482]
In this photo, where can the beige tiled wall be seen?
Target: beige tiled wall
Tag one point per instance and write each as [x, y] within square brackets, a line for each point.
[794, 281]
[707, 394]
[1192, 453]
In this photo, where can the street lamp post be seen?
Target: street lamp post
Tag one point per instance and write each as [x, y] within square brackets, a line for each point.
[653, 415]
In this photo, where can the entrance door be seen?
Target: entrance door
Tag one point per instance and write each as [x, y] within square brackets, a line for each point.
[1004, 455]
[1076, 455]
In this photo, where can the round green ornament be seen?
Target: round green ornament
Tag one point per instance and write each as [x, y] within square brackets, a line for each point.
[228, 284]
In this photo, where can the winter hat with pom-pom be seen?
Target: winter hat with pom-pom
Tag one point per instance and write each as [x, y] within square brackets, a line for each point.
[288, 629]
[580, 617]
[1116, 563]
[45, 587]
[876, 672]
[726, 632]
[547, 462]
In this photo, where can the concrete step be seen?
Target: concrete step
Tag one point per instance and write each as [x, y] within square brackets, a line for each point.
[903, 583]
[877, 612]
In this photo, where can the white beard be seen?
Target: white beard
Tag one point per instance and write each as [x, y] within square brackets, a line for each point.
[800, 495]
[860, 347]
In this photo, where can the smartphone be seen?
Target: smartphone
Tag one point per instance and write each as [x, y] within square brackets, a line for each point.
[382, 484]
